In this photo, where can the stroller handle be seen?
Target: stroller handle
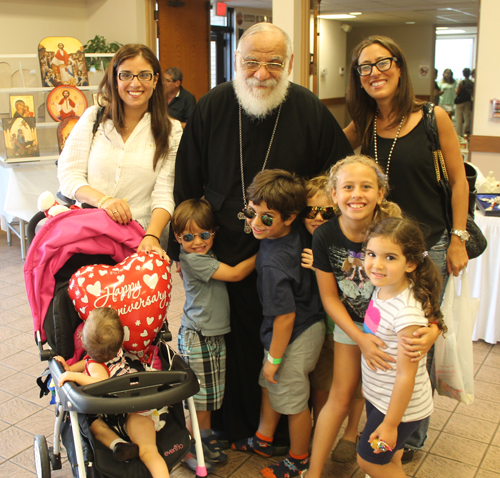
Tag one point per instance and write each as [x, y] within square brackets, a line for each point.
[133, 392]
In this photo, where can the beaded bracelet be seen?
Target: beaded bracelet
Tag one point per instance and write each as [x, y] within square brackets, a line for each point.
[151, 235]
[103, 200]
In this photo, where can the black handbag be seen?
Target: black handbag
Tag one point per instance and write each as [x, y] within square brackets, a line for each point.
[477, 242]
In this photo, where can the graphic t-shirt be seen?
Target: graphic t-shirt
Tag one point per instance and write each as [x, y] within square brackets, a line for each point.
[333, 252]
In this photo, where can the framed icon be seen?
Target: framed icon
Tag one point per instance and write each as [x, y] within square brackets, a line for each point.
[20, 138]
[22, 106]
[65, 102]
[62, 62]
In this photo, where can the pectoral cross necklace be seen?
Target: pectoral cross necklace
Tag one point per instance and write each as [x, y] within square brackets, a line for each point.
[247, 228]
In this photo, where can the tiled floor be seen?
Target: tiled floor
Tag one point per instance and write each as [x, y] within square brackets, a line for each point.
[464, 441]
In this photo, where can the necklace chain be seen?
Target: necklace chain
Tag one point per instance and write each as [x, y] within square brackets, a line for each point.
[240, 214]
[392, 147]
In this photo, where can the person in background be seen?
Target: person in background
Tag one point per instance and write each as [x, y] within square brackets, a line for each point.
[181, 102]
[463, 103]
[448, 86]
[127, 166]
[437, 90]
[258, 121]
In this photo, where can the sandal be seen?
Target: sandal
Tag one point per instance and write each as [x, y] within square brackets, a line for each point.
[344, 452]
[213, 449]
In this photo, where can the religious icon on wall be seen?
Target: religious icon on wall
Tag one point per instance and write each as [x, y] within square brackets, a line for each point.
[66, 102]
[64, 129]
[62, 62]
[22, 106]
[20, 138]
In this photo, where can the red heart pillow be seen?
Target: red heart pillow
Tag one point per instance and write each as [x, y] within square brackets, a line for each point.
[138, 288]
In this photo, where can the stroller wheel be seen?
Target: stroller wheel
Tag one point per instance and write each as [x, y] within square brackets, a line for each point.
[42, 462]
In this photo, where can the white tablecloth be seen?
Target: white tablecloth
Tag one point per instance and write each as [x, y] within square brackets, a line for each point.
[20, 187]
[484, 279]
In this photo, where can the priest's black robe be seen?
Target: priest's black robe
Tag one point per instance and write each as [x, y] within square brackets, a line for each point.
[308, 140]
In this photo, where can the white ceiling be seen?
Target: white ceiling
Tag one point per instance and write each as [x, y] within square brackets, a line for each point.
[391, 12]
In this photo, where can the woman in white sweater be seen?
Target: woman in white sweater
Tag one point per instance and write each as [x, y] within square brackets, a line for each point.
[124, 163]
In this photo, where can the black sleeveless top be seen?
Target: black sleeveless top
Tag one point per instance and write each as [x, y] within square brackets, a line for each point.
[412, 180]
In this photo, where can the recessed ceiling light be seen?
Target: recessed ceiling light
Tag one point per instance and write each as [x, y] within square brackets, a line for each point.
[354, 13]
[449, 32]
[441, 28]
[410, 23]
[335, 17]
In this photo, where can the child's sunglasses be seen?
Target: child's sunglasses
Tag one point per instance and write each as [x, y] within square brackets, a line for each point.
[250, 214]
[203, 235]
[310, 212]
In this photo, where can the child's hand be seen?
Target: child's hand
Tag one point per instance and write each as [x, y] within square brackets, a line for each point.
[387, 434]
[62, 362]
[66, 377]
[371, 348]
[308, 259]
[269, 371]
[422, 341]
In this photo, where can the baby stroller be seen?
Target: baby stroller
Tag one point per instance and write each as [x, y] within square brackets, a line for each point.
[63, 245]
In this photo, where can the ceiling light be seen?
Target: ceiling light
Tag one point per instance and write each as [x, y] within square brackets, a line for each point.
[449, 32]
[335, 17]
[441, 28]
[354, 13]
[410, 23]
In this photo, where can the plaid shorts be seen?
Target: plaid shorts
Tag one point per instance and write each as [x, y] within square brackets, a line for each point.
[207, 358]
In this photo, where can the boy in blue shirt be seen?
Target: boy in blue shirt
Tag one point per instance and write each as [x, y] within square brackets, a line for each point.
[293, 329]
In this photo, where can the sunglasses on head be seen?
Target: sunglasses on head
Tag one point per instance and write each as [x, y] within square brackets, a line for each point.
[203, 235]
[310, 212]
[250, 214]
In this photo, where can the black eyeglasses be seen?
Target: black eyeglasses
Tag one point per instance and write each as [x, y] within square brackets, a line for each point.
[203, 235]
[128, 76]
[382, 65]
[250, 214]
[310, 212]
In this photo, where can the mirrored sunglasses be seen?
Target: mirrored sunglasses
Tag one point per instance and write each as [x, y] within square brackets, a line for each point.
[203, 235]
[250, 214]
[310, 212]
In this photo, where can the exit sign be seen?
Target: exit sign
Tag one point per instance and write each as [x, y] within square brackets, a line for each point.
[220, 9]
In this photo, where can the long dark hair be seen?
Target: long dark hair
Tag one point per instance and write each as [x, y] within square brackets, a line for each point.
[426, 278]
[451, 80]
[362, 107]
[114, 109]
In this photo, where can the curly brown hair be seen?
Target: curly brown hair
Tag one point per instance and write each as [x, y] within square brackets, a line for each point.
[426, 278]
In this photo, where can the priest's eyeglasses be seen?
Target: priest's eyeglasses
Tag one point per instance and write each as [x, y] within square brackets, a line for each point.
[203, 235]
[252, 65]
[382, 65]
[310, 212]
[128, 76]
[265, 219]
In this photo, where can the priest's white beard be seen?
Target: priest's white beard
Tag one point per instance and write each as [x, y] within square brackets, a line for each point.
[260, 102]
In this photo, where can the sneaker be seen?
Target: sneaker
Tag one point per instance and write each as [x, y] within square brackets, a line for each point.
[287, 468]
[192, 462]
[408, 455]
[213, 450]
[344, 452]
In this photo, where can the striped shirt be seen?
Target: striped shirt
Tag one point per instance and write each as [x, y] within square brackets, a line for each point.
[385, 318]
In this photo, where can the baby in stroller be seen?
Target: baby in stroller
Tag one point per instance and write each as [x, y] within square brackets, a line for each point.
[102, 337]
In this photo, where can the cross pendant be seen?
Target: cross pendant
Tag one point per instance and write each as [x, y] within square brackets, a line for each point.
[247, 228]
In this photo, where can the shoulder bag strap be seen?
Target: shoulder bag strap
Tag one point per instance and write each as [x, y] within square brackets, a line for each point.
[431, 130]
[98, 121]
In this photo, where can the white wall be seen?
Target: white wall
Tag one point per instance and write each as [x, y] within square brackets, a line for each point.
[332, 56]
[487, 74]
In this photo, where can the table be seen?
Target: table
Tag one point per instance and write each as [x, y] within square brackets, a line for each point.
[484, 281]
[20, 186]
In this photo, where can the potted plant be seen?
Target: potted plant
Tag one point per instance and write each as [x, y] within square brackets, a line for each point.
[99, 45]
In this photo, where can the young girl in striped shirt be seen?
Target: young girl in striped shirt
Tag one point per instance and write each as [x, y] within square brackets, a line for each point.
[406, 297]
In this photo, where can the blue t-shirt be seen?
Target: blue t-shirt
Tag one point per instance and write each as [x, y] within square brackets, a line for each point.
[206, 309]
[333, 252]
[285, 286]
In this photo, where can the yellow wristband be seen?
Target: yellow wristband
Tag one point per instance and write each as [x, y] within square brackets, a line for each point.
[103, 200]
